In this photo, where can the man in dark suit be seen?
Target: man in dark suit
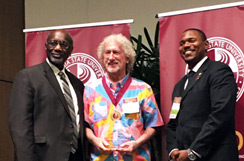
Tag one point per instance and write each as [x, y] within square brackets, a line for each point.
[202, 125]
[42, 124]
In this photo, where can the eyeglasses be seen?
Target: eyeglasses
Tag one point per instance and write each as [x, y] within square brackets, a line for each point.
[54, 43]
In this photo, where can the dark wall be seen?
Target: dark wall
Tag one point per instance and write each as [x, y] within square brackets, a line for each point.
[12, 49]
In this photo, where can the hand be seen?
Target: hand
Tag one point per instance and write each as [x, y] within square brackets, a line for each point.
[102, 145]
[182, 156]
[174, 155]
[128, 147]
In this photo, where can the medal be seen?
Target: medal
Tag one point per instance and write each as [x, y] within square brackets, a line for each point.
[115, 115]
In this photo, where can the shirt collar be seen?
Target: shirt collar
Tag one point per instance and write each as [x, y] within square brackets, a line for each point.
[198, 65]
[54, 68]
[119, 84]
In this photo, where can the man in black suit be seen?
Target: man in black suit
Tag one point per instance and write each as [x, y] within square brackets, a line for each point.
[202, 124]
[42, 124]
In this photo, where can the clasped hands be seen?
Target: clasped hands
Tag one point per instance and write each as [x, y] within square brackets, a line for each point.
[104, 147]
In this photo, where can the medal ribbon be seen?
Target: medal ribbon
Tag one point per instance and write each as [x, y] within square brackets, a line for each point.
[115, 100]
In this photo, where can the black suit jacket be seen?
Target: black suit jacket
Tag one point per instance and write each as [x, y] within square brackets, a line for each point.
[39, 120]
[205, 122]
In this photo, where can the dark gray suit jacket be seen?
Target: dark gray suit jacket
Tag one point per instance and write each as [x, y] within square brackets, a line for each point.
[205, 122]
[39, 120]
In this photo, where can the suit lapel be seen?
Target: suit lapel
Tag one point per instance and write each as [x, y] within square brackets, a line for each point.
[54, 83]
[196, 77]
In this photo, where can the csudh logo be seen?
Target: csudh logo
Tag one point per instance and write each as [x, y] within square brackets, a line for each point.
[226, 51]
[85, 67]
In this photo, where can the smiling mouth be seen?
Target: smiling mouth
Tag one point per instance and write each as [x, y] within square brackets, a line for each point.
[112, 63]
[57, 55]
[188, 52]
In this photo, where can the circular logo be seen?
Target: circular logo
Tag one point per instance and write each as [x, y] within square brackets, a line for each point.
[84, 66]
[226, 51]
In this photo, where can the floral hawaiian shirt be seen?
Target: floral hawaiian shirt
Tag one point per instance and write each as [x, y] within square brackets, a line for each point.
[121, 118]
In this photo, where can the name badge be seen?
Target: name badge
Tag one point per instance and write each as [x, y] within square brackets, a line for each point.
[130, 105]
[175, 108]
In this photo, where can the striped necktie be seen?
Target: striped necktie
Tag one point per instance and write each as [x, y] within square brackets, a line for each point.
[69, 100]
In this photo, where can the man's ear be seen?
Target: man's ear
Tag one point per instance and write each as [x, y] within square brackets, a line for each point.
[127, 60]
[71, 48]
[206, 43]
[45, 46]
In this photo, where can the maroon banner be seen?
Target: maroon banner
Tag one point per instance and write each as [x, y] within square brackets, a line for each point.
[225, 32]
[83, 61]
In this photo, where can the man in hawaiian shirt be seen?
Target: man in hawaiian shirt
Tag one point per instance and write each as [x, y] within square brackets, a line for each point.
[121, 111]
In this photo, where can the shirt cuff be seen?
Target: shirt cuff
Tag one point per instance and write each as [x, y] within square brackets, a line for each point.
[172, 151]
[198, 155]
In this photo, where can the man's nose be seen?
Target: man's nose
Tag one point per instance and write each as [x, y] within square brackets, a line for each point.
[58, 47]
[111, 55]
[187, 44]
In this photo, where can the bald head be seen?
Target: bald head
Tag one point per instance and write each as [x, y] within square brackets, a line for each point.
[68, 38]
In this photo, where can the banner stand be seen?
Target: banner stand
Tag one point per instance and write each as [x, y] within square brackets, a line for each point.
[192, 10]
[128, 21]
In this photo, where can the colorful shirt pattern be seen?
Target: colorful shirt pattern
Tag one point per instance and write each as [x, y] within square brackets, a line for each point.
[122, 121]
